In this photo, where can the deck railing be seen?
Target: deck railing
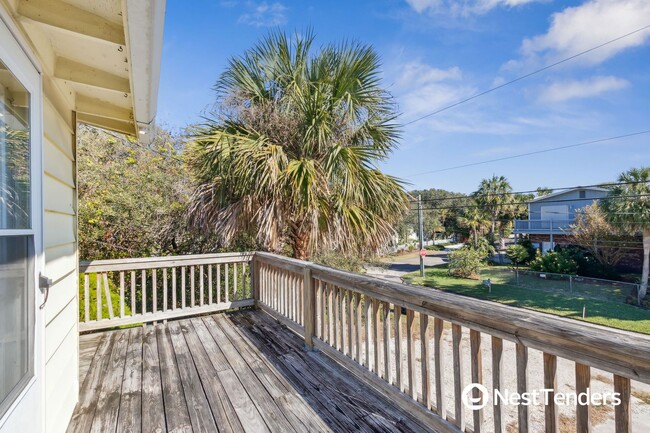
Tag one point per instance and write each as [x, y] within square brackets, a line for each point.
[129, 291]
[396, 337]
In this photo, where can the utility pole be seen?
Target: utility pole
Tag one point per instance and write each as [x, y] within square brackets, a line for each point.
[421, 234]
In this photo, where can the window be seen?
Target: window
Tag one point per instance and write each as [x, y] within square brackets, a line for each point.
[16, 240]
[582, 193]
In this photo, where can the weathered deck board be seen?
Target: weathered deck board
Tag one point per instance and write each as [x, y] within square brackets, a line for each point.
[239, 372]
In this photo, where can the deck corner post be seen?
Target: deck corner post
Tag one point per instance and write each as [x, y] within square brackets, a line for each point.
[255, 286]
[309, 298]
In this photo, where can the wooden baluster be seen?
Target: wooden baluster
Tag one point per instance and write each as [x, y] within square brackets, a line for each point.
[410, 353]
[301, 307]
[219, 282]
[183, 296]
[497, 383]
[121, 293]
[310, 308]
[368, 327]
[351, 327]
[320, 322]
[399, 382]
[154, 291]
[522, 385]
[165, 289]
[107, 293]
[583, 378]
[477, 375]
[210, 287]
[387, 370]
[425, 359]
[86, 297]
[192, 287]
[143, 282]
[359, 326]
[439, 360]
[623, 411]
[551, 414]
[133, 312]
[459, 385]
[201, 285]
[331, 338]
[98, 293]
[344, 321]
[375, 336]
[243, 281]
[174, 304]
[227, 288]
[235, 294]
[337, 317]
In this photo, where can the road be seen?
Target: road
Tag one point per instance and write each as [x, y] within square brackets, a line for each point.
[403, 264]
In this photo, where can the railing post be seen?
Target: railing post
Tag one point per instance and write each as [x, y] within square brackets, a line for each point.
[255, 284]
[309, 297]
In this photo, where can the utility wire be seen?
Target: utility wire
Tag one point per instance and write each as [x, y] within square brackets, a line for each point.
[537, 152]
[470, 195]
[130, 144]
[552, 65]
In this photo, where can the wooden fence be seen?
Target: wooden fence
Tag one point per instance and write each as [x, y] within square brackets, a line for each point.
[129, 291]
[392, 336]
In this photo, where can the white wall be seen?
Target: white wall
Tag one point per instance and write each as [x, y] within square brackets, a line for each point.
[60, 242]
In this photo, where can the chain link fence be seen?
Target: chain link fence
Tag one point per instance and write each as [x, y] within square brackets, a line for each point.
[595, 288]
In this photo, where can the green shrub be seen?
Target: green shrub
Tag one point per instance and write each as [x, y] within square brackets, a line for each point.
[465, 262]
[335, 259]
[115, 299]
[518, 254]
[557, 262]
[532, 251]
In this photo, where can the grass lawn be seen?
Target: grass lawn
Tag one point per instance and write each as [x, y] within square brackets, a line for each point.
[602, 312]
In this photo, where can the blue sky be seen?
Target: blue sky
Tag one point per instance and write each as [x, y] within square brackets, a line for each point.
[436, 52]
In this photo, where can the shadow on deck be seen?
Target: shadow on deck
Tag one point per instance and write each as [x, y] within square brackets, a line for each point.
[235, 372]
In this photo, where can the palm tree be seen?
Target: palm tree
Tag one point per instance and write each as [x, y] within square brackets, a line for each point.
[292, 153]
[494, 195]
[628, 206]
[476, 221]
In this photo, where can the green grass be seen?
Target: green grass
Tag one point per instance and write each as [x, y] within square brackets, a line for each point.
[602, 312]
[115, 299]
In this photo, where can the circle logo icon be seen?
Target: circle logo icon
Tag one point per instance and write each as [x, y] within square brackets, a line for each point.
[475, 403]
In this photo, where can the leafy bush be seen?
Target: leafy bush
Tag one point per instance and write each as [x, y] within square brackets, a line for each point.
[434, 247]
[337, 260]
[115, 299]
[532, 251]
[518, 254]
[588, 265]
[465, 262]
[557, 262]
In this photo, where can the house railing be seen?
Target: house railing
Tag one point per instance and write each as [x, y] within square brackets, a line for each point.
[543, 226]
[393, 335]
[419, 347]
[130, 291]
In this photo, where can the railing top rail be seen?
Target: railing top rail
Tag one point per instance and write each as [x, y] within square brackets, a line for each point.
[161, 262]
[620, 352]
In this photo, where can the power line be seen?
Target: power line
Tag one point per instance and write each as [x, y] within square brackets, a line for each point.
[463, 197]
[525, 202]
[552, 65]
[537, 152]
[127, 143]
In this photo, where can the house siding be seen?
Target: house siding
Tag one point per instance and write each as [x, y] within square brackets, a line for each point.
[570, 199]
[61, 258]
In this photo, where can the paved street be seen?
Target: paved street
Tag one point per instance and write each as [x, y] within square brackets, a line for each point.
[400, 265]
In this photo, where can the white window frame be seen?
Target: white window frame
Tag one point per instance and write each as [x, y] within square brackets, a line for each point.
[21, 62]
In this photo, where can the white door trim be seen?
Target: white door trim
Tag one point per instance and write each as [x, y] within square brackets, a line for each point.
[22, 66]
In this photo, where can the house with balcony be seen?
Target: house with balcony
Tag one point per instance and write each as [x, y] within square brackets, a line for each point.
[550, 216]
[232, 342]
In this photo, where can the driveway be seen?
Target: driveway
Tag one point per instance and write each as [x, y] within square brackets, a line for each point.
[403, 264]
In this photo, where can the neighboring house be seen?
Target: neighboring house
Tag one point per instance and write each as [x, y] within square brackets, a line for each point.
[550, 216]
[61, 63]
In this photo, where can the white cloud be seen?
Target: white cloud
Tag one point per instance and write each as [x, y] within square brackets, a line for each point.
[264, 14]
[463, 7]
[423, 88]
[574, 89]
[579, 28]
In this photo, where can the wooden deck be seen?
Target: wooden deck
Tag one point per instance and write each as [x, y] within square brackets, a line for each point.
[236, 372]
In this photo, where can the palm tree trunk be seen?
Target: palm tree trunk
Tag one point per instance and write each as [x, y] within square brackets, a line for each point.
[300, 245]
[643, 288]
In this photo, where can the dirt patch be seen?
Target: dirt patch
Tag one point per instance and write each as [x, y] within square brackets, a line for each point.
[604, 379]
[644, 396]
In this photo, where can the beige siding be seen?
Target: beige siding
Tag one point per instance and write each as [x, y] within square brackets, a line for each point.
[60, 241]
